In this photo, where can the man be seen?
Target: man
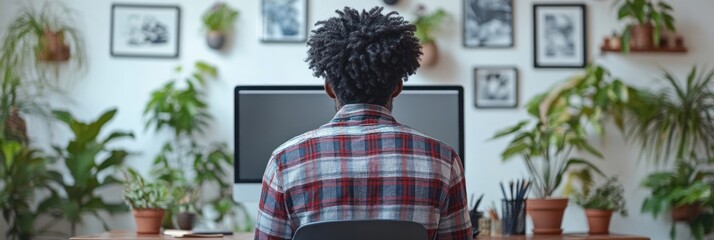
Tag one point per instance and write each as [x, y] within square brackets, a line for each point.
[363, 164]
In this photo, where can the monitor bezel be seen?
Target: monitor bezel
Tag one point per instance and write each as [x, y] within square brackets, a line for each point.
[236, 165]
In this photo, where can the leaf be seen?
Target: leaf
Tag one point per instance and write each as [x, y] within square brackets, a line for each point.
[512, 150]
[510, 130]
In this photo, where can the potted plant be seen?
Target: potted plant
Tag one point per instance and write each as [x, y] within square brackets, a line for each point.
[684, 192]
[599, 204]
[647, 19]
[186, 197]
[183, 161]
[32, 41]
[23, 172]
[90, 164]
[559, 123]
[218, 21]
[675, 122]
[426, 24]
[148, 200]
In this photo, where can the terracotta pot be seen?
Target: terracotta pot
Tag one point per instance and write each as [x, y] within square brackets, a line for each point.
[16, 126]
[642, 36]
[686, 213]
[185, 220]
[215, 39]
[148, 221]
[598, 221]
[547, 215]
[52, 47]
[430, 54]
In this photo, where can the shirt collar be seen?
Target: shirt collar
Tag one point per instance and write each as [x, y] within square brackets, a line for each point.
[360, 112]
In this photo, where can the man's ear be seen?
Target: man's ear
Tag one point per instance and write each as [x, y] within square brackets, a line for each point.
[398, 89]
[329, 91]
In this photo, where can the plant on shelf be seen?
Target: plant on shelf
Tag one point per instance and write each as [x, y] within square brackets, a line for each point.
[676, 122]
[426, 24]
[559, 123]
[148, 201]
[599, 204]
[647, 20]
[218, 21]
[90, 163]
[23, 172]
[686, 193]
[183, 161]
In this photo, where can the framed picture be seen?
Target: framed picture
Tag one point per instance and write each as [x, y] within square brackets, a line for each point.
[145, 31]
[283, 21]
[496, 87]
[488, 23]
[559, 39]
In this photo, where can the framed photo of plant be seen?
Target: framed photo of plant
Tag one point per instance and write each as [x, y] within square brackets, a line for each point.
[559, 39]
[151, 31]
[283, 21]
[488, 23]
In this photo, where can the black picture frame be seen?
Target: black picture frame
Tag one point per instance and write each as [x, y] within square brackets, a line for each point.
[582, 61]
[464, 30]
[515, 91]
[177, 36]
[304, 27]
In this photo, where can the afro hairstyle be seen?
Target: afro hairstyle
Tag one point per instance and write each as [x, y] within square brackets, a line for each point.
[364, 56]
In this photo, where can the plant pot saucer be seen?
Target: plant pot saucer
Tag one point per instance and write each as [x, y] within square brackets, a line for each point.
[555, 231]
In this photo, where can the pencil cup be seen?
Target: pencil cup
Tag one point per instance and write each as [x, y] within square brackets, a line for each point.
[475, 222]
[513, 220]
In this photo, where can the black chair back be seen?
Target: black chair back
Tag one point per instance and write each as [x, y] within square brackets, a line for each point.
[362, 230]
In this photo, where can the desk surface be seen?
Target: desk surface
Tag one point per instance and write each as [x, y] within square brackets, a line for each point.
[567, 236]
[125, 235]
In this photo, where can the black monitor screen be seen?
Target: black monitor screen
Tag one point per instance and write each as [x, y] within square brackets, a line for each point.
[267, 116]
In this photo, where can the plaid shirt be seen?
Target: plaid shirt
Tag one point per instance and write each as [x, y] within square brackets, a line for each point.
[364, 165]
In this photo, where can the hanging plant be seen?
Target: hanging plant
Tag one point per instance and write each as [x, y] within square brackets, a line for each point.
[426, 25]
[218, 21]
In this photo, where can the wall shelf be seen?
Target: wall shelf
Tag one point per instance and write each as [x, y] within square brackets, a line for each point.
[653, 50]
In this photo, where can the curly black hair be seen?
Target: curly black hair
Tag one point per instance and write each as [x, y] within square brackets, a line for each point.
[364, 56]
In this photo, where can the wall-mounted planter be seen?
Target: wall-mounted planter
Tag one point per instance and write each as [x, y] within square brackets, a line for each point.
[391, 2]
[215, 39]
[430, 54]
[52, 47]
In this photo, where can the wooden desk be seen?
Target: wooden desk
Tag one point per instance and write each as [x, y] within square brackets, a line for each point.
[567, 236]
[126, 235]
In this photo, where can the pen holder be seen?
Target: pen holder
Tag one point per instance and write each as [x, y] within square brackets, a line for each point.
[513, 220]
[475, 222]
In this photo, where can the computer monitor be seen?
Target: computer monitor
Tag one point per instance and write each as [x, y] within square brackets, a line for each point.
[267, 116]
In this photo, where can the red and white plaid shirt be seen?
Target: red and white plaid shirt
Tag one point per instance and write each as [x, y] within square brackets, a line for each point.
[364, 165]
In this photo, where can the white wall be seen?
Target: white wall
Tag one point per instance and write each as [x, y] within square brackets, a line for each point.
[126, 82]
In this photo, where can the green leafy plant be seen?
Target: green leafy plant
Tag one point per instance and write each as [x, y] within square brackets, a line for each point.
[685, 186]
[608, 196]
[141, 194]
[428, 23]
[560, 121]
[645, 12]
[91, 164]
[23, 172]
[678, 121]
[220, 17]
[183, 161]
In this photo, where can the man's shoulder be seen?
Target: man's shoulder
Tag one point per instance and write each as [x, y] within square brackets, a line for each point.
[291, 148]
